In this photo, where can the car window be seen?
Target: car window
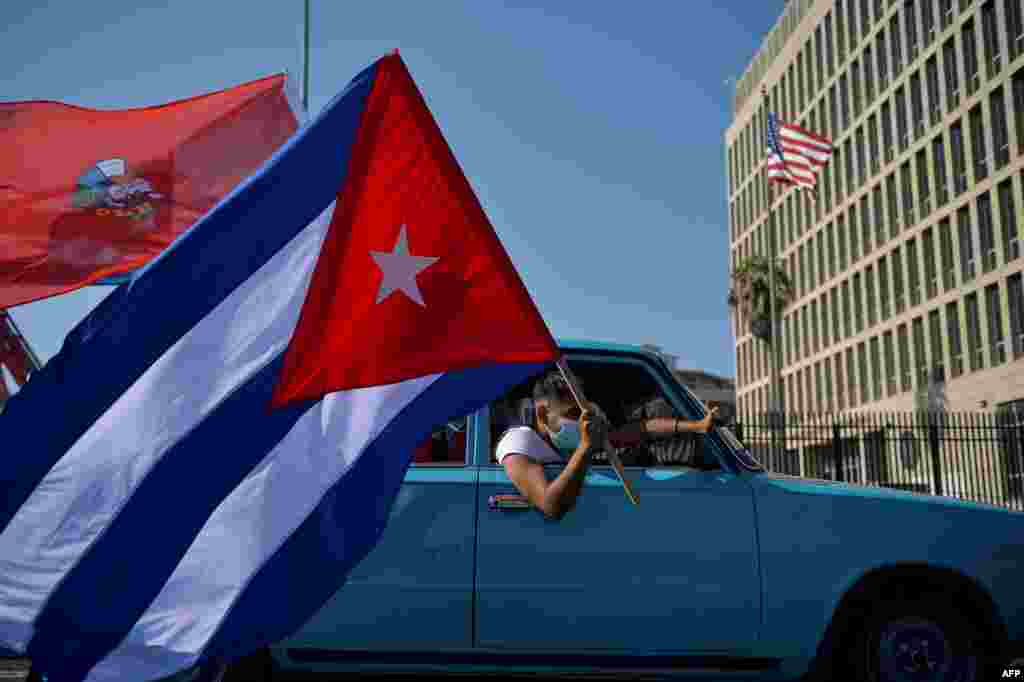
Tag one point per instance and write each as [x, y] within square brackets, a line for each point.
[626, 392]
[446, 445]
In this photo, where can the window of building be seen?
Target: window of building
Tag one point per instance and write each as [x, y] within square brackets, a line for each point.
[959, 157]
[854, 234]
[841, 241]
[830, 238]
[820, 239]
[851, 376]
[881, 60]
[990, 38]
[893, 205]
[848, 159]
[840, 33]
[956, 351]
[1014, 13]
[879, 214]
[837, 314]
[1000, 133]
[946, 251]
[1018, 108]
[920, 354]
[829, 62]
[887, 140]
[890, 364]
[865, 225]
[946, 13]
[924, 197]
[833, 112]
[862, 361]
[939, 163]
[858, 305]
[873, 143]
[900, 108]
[986, 233]
[815, 347]
[800, 75]
[978, 153]
[913, 273]
[1008, 221]
[894, 43]
[931, 275]
[952, 78]
[846, 307]
[928, 21]
[802, 272]
[883, 288]
[916, 104]
[819, 54]
[970, 52]
[975, 352]
[823, 306]
[826, 394]
[903, 342]
[907, 187]
[861, 163]
[910, 23]
[837, 360]
[963, 222]
[896, 263]
[844, 104]
[1015, 294]
[938, 366]
[994, 313]
[931, 69]
[805, 314]
[869, 295]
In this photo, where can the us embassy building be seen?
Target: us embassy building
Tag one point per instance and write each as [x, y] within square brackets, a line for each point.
[907, 259]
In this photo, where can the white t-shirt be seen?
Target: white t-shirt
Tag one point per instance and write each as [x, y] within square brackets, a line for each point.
[523, 440]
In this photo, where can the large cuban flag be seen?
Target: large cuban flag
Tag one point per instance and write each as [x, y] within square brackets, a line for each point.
[222, 439]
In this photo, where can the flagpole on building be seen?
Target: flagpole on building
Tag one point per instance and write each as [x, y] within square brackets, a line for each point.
[776, 408]
[305, 63]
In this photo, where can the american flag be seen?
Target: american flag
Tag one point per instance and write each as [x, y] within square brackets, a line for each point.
[795, 154]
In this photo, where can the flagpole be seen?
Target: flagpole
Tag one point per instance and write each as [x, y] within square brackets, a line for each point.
[775, 391]
[305, 64]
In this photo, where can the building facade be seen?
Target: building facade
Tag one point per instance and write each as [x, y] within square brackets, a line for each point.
[907, 260]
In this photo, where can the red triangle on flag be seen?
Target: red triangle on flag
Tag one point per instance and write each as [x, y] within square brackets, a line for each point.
[411, 279]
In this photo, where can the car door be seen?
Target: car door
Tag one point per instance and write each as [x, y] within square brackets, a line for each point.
[414, 590]
[678, 572]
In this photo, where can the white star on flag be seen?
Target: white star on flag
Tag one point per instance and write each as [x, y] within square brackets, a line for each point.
[400, 269]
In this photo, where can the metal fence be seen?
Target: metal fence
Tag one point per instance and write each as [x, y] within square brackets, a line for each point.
[971, 456]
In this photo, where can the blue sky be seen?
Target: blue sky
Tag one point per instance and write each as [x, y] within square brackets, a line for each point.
[592, 133]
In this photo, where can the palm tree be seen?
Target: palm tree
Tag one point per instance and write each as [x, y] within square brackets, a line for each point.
[749, 293]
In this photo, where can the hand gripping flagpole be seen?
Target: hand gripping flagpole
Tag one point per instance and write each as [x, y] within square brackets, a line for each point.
[613, 457]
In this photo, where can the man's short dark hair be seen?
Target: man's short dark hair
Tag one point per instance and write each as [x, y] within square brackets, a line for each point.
[553, 386]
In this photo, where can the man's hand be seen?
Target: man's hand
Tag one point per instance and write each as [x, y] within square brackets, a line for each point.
[709, 420]
[593, 429]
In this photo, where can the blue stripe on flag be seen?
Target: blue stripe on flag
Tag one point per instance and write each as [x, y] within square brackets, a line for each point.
[140, 320]
[316, 560]
[125, 569]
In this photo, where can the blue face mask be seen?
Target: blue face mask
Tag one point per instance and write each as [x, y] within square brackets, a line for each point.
[567, 438]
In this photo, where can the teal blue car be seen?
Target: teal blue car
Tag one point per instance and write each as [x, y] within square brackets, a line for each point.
[722, 568]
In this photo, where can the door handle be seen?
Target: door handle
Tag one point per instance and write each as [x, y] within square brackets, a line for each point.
[508, 503]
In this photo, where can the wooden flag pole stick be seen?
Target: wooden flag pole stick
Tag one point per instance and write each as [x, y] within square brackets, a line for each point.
[613, 457]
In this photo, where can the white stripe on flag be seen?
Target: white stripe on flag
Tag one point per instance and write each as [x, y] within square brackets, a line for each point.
[93, 481]
[809, 142]
[242, 534]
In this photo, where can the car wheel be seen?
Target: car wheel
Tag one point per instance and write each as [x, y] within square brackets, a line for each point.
[925, 639]
[256, 667]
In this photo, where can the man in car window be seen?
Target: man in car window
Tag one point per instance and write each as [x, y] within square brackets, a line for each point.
[558, 432]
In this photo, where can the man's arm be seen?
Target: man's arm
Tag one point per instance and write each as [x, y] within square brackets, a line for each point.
[556, 498]
[636, 432]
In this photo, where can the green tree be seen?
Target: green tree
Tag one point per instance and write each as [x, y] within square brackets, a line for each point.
[749, 293]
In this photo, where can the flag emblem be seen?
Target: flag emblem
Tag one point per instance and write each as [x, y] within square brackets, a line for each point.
[795, 155]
